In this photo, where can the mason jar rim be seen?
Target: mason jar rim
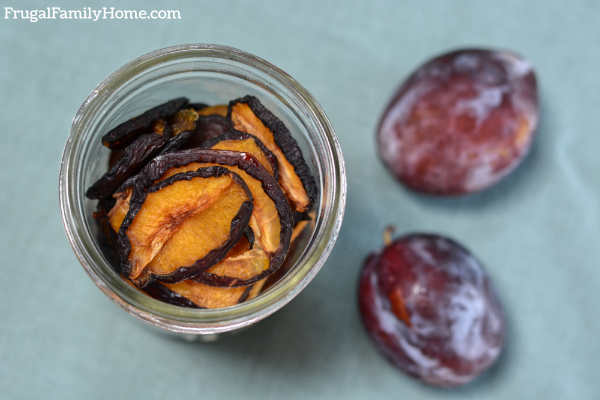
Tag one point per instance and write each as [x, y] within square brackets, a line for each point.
[170, 317]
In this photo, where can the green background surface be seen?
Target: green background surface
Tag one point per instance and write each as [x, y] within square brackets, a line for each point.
[537, 232]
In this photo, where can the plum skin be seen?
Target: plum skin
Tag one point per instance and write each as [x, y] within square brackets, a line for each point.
[429, 307]
[460, 122]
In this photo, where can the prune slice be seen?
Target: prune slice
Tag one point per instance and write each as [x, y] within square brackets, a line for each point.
[209, 127]
[250, 116]
[208, 296]
[161, 292]
[159, 211]
[133, 158]
[176, 143]
[199, 235]
[460, 122]
[429, 306]
[245, 143]
[124, 133]
[205, 296]
[271, 208]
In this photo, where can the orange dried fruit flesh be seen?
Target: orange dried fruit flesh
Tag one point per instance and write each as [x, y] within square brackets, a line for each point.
[271, 219]
[206, 296]
[201, 295]
[265, 225]
[264, 221]
[249, 115]
[246, 143]
[198, 236]
[244, 264]
[195, 217]
[184, 120]
[118, 212]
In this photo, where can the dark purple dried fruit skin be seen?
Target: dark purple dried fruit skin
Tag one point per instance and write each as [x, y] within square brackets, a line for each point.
[245, 294]
[198, 106]
[159, 165]
[456, 326]
[460, 122]
[209, 127]
[176, 143]
[233, 134]
[133, 158]
[142, 188]
[173, 144]
[160, 292]
[285, 141]
[123, 134]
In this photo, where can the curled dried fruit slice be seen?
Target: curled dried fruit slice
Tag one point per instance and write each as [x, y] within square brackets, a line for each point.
[124, 133]
[133, 158]
[242, 270]
[219, 109]
[271, 218]
[160, 292]
[159, 211]
[249, 115]
[198, 236]
[205, 296]
[246, 143]
[208, 296]
[176, 142]
[209, 127]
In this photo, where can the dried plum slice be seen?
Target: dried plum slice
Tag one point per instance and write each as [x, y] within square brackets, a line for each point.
[164, 294]
[201, 295]
[135, 155]
[205, 296]
[209, 127]
[249, 115]
[258, 180]
[176, 142]
[175, 208]
[245, 143]
[124, 133]
[265, 224]
[133, 158]
[198, 235]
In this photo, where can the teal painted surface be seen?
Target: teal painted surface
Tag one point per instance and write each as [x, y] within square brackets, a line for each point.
[538, 231]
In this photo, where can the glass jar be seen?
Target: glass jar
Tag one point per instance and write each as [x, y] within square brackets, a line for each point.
[214, 75]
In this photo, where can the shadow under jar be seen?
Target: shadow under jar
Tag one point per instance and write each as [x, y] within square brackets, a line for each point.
[214, 75]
